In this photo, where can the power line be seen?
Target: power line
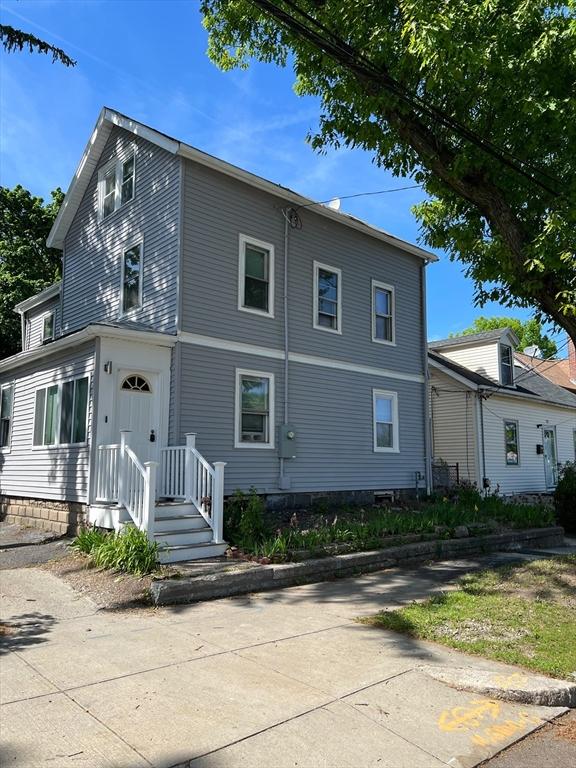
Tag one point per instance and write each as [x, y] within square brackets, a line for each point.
[360, 65]
[360, 194]
[544, 360]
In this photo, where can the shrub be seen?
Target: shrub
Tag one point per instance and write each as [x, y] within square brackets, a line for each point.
[244, 520]
[565, 497]
[130, 551]
[89, 539]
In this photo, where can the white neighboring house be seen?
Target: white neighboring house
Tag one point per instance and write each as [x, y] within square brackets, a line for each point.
[507, 428]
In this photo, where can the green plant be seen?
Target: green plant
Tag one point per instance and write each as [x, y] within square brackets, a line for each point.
[244, 523]
[565, 497]
[89, 539]
[130, 551]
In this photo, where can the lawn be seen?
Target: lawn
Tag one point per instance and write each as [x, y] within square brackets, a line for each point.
[520, 614]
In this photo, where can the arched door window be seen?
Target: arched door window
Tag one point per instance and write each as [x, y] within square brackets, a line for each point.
[135, 383]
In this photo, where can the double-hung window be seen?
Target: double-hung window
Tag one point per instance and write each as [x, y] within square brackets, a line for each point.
[132, 278]
[48, 327]
[383, 313]
[256, 277]
[116, 185]
[6, 409]
[506, 365]
[385, 416]
[327, 298]
[61, 413]
[254, 409]
[511, 442]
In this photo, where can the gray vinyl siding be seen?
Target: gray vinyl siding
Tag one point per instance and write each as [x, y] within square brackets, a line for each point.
[34, 322]
[217, 209]
[93, 249]
[331, 411]
[46, 473]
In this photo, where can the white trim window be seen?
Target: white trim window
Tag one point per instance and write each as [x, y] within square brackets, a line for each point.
[6, 411]
[48, 328]
[383, 313]
[131, 278]
[511, 441]
[506, 365]
[61, 413]
[327, 298]
[116, 185]
[256, 277]
[254, 421]
[385, 417]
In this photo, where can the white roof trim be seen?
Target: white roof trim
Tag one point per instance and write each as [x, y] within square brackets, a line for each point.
[39, 298]
[109, 117]
[80, 337]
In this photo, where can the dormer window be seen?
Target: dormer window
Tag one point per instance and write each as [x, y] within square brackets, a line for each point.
[116, 185]
[48, 328]
[506, 365]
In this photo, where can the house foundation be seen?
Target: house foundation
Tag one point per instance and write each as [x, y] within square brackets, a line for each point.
[61, 517]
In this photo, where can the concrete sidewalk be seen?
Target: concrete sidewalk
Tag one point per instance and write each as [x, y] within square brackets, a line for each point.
[281, 679]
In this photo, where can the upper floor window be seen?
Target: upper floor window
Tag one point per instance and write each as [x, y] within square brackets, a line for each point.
[327, 298]
[6, 408]
[254, 409]
[506, 365]
[116, 185]
[48, 327]
[256, 277]
[511, 442]
[132, 278]
[383, 313]
[385, 415]
[61, 412]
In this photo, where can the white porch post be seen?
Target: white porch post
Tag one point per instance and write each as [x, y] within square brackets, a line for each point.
[124, 441]
[189, 467]
[218, 502]
[151, 468]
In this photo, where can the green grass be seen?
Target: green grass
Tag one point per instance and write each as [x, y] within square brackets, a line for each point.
[129, 551]
[523, 615]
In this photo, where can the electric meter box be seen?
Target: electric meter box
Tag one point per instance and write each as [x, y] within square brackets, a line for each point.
[287, 441]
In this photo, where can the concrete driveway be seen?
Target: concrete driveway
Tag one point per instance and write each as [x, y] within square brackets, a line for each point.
[279, 680]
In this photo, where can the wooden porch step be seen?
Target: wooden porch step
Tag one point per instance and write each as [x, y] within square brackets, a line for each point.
[189, 537]
[180, 553]
[182, 522]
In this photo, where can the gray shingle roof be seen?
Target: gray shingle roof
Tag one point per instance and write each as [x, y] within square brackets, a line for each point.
[471, 338]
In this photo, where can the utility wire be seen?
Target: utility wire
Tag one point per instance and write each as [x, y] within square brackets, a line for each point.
[544, 360]
[356, 62]
[359, 194]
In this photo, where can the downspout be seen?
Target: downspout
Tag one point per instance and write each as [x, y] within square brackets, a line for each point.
[426, 388]
[284, 483]
[484, 486]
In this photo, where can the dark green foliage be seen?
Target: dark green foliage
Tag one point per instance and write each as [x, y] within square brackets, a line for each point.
[27, 266]
[89, 539]
[17, 40]
[565, 498]
[244, 523]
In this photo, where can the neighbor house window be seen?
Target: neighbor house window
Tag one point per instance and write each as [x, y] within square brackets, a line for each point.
[506, 364]
[132, 278]
[6, 408]
[254, 409]
[48, 327]
[61, 413]
[327, 298]
[382, 313]
[116, 185]
[256, 277]
[511, 442]
[385, 414]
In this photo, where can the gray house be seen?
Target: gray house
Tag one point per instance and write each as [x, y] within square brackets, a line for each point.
[212, 331]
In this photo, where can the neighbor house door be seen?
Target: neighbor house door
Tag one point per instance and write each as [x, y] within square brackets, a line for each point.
[137, 409]
[550, 457]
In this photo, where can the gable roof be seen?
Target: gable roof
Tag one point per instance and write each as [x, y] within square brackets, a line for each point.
[38, 298]
[533, 387]
[472, 339]
[109, 118]
[556, 370]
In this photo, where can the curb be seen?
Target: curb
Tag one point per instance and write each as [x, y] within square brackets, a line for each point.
[274, 576]
[519, 686]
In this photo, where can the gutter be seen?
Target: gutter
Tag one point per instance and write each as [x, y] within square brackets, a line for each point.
[426, 388]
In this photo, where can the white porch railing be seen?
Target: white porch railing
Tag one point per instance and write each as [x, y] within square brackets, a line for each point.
[185, 475]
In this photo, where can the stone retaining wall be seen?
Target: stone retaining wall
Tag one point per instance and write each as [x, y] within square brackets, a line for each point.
[62, 517]
[226, 583]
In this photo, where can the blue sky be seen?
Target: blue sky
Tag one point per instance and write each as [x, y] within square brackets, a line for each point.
[148, 59]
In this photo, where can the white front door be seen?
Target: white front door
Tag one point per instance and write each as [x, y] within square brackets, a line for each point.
[550, 457]
[138, 409]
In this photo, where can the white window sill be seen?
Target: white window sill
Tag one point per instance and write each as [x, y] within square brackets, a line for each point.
[257, 446]
[259, 312]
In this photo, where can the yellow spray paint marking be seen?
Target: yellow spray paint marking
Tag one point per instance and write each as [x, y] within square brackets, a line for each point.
[509, 681]
[494, 734]
[462, 718]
